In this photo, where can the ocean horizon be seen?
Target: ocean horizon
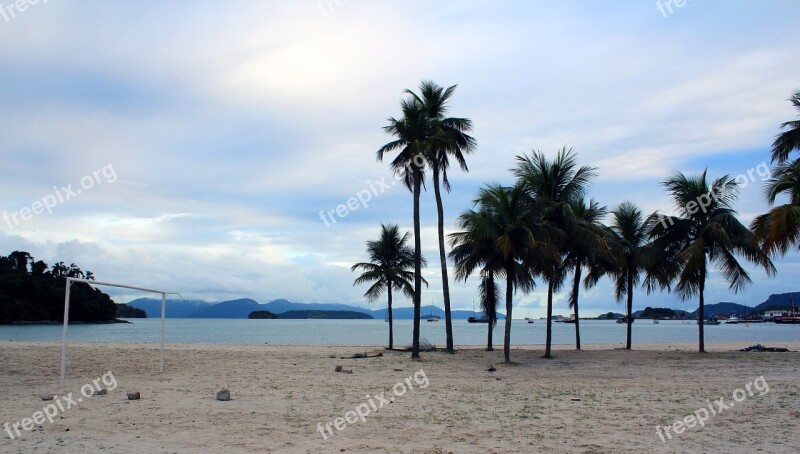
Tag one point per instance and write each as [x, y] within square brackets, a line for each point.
[376, 332]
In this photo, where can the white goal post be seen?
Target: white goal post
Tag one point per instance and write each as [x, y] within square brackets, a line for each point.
[70, 280]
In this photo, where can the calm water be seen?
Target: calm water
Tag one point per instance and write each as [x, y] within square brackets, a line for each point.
[375, 332]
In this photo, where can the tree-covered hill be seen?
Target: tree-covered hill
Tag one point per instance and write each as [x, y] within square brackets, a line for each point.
[31, 290]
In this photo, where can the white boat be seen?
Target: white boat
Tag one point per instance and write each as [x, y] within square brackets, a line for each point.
[733, 320]
[431, 317]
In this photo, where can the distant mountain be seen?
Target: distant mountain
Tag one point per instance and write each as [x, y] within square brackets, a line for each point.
[240, 308]
[723, 308]
[407, 313]
[280, 306]
[174, 308]
[779, 302]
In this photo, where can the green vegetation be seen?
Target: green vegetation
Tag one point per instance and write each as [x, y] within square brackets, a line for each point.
[261, 315]
[125, 311]
[30, 291]
[658, 312]
[388, 269]
[324, 315]
[779, 229]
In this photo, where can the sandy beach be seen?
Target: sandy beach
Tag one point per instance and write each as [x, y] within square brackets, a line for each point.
[290, 399]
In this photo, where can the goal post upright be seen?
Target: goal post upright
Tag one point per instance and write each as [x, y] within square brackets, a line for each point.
[70, 280]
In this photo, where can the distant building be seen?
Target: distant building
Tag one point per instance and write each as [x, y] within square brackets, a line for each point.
[775, 313]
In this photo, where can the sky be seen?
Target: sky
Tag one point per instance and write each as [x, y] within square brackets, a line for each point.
[191, 146]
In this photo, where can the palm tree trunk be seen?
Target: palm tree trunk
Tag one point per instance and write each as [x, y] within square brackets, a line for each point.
[509, 297]
[391, 328]
[490, 292]
[549, 335]
[417, 265]
[443, 260]
[630, 309]
[576, 287]
[701, 315]
[489, 347]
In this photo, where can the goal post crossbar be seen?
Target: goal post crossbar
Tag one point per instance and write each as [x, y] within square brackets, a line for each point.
[70, 280]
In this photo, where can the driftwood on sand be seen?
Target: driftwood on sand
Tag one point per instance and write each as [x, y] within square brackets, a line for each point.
[761, 348]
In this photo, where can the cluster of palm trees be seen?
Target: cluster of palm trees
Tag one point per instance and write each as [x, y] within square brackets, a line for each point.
[542, 228]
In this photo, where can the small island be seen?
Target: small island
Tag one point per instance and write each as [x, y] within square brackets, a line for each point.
[261, 315]
[337, 315]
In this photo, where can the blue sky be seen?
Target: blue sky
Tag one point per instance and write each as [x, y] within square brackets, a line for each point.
[228, 127]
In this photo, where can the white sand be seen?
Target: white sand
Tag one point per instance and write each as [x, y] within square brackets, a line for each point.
[598, 400]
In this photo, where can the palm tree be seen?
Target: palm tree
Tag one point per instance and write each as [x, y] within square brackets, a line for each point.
[555, 187]
[789, 140]
[449, 138]
[472, 249]
[705, 231]
[501, 218]
[411, 132]
[779, 229]
[587, 240]
[390, 258]
[631, 234]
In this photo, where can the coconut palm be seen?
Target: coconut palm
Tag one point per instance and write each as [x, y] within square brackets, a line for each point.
[555, 186]
[502, 219]
[390, 259]
[586, 242]
[631, 233]
[705, 231]
[789, 140]
[449, 138]
[412, 131]
[779, 229]
[472, 249]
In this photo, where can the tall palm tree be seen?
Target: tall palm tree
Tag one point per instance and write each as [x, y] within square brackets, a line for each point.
[449, 138]
[631, 252]
[555, 186]
[789, 140]
[412, 131]
[502, 218]
[390, 258]
[587, 240]
[705, 231]
[779, 229]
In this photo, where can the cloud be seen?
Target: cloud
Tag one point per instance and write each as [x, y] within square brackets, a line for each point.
[231, 125]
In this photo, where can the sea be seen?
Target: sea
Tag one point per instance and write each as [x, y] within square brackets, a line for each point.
[376, 332]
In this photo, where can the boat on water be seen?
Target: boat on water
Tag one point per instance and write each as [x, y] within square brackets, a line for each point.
[656, 322]
[733, 320]
[711, 321]
[787, 319]
[431, 317]
[528, 319]
[482, 319]
[625, 319]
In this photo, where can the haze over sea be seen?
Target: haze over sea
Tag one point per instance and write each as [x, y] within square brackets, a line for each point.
[375, 332]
